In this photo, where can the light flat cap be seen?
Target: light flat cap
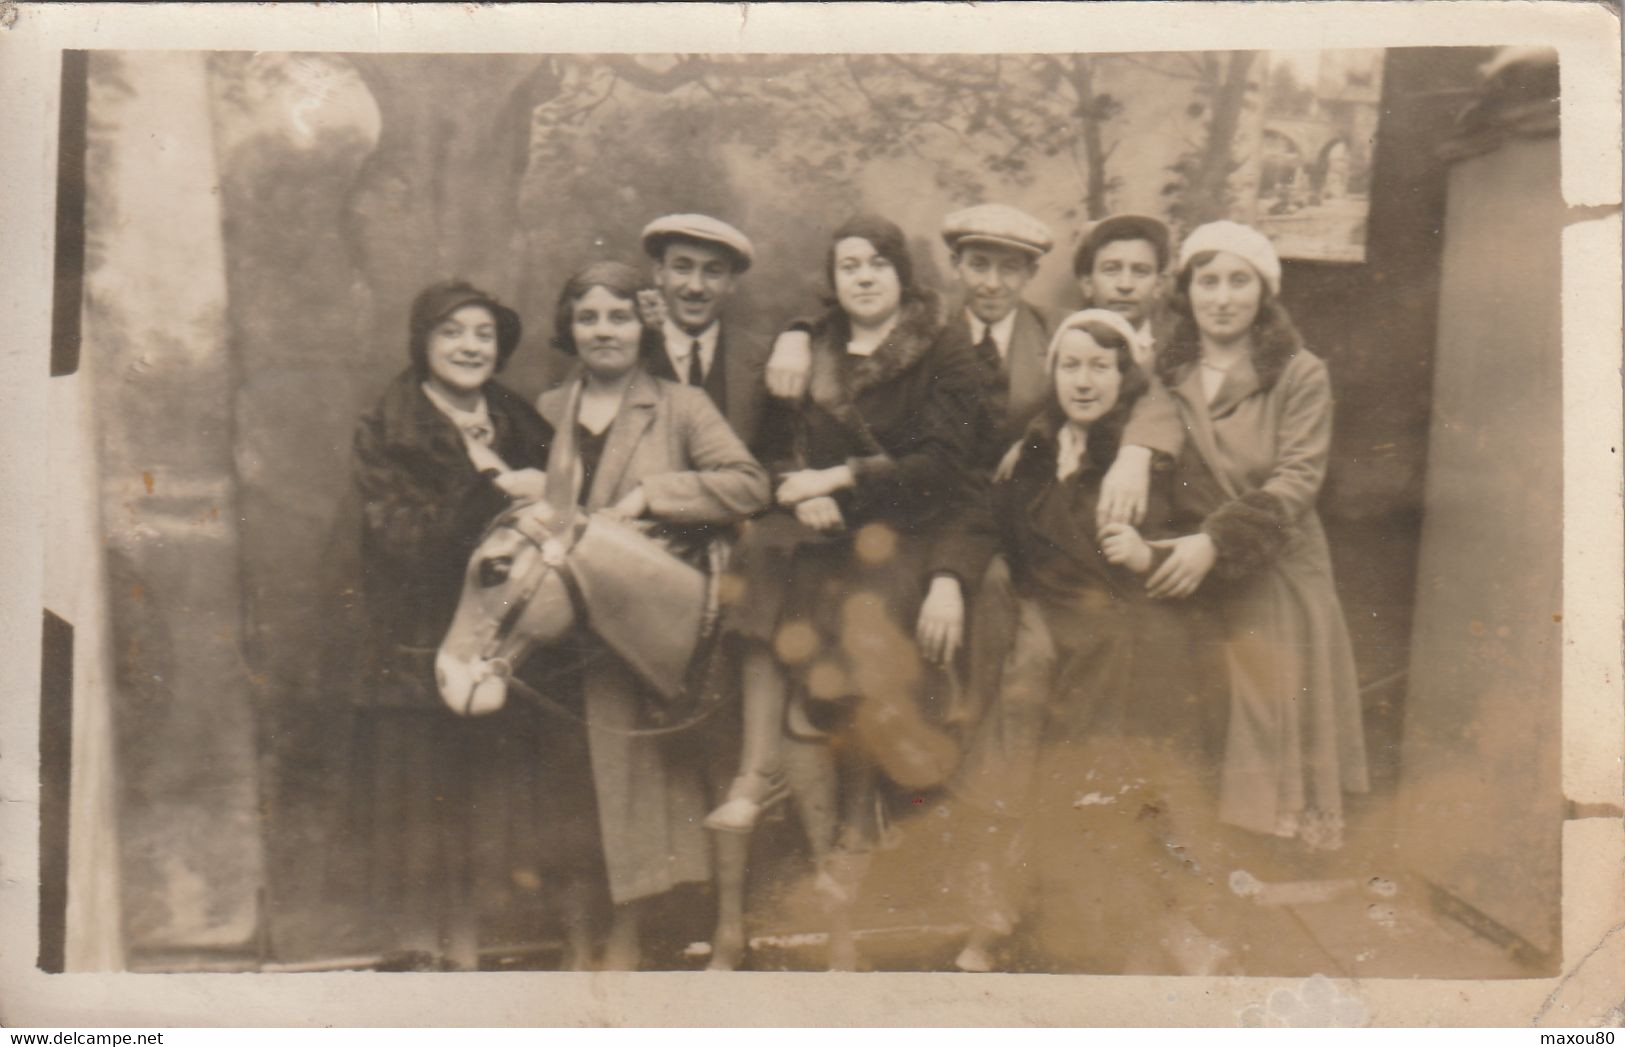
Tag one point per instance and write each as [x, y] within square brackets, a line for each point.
[997, 224]
[699, 227]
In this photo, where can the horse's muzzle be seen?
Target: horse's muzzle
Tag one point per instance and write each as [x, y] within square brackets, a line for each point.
[472, 687]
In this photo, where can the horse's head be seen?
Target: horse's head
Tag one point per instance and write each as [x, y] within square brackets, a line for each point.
[514, 598]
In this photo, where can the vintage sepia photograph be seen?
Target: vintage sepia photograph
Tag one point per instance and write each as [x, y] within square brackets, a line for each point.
[1003, 511]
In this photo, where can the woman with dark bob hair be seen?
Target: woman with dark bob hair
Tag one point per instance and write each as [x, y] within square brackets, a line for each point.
[1100, 696]
[1258, 411]
[640, 448]
[445, 450]
[867, 467]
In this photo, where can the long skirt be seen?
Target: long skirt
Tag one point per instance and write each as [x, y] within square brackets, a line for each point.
[1295, 742]
[1088, 779]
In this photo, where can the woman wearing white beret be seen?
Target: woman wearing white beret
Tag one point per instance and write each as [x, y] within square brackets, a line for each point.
[1258, 412]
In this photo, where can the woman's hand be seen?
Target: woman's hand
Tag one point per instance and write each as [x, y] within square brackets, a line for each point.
[633, 505]
[1007, 464]
[821, 514]
[1192, 558]
[942, 620]
[1122, 544]
[803, 484]
[788, 366]
[522, 485]
[1125, 488]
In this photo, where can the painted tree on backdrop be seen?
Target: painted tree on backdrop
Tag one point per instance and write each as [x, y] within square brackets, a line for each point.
[820, 120]
[1201, 186]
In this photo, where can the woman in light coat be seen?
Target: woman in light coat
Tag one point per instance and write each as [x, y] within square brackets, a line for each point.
[1258, 413]
[639, 447]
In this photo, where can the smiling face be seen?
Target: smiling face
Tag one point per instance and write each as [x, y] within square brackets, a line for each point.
[1124, 279]
[606, 330]
[866, 283]
[994, 278]
[1087, 378]
[694, 279]
[462, 350]
[1226, 294]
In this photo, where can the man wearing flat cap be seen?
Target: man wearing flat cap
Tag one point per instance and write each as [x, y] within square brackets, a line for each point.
[1120, 264]
[697, 263]
[995, 250]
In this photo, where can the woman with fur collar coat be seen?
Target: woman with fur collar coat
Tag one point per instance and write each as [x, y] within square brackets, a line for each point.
[868, 467]
[446, 448]
[1257, 407]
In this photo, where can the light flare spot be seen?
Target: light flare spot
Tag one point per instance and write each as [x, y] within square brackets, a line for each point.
[875, 543]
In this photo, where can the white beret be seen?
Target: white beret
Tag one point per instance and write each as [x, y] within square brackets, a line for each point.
[1099, 316]
[699, 227]
[1244, 241]
[997, 224]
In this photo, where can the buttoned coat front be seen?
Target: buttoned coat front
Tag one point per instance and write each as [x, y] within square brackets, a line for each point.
[670, 440]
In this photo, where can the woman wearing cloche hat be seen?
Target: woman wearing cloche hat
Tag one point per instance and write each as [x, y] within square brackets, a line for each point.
[1258, 409]
[445, 449]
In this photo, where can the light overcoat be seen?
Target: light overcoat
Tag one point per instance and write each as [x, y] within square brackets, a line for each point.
[671, 440]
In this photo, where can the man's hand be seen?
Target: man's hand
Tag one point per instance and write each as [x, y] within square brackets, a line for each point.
[821, 514]
[788, 366]
[1192, 558]
[522, 485]
[942, 620]
[1124, 490]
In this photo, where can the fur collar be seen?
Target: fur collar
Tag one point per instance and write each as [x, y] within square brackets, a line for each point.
[830, 384]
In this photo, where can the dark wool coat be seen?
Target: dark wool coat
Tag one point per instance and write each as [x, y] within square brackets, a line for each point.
[424, 508]
[1249, 476]
[1124, 666]
[897, 418]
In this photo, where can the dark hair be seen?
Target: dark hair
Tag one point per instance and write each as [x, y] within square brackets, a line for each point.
[888, 241]
[438, 301]
[1106, 433]
[1275, 337]
[620, 280]
[656, 249]
[1112, 230]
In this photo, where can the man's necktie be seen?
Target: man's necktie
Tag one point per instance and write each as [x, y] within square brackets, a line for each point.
[987, 351]
[696, 370]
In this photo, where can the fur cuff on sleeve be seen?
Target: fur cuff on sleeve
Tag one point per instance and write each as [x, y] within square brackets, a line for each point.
[1248, 533]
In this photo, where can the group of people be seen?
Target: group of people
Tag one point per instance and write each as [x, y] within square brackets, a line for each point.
[1063, 576]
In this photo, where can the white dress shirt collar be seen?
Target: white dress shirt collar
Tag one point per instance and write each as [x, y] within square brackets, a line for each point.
[1002, 331]
[679, 343]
